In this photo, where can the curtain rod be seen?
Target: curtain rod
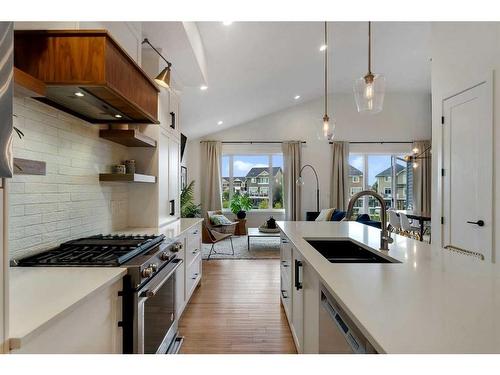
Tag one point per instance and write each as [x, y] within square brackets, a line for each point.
[252, 142]
[380, 142]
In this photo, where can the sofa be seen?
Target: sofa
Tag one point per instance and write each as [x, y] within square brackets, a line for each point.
[339, 215]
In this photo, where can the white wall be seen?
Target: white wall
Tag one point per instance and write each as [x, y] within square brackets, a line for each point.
[406, 117]
[463, 53]
[68, 202]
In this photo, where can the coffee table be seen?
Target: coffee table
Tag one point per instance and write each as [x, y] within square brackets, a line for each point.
[254, 232]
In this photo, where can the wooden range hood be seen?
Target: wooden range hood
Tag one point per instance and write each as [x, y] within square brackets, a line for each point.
[89, 62]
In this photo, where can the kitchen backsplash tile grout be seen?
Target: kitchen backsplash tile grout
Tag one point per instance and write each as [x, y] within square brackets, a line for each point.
[69, 202]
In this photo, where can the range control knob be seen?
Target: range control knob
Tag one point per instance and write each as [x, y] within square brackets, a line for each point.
[154, 267]
[177, 247]
[164, 256]
[147, 272]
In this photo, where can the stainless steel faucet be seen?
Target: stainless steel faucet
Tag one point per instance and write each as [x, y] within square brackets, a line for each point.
[385, 236]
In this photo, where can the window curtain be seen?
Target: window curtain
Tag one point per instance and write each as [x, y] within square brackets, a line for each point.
[422, 177]
[211, 192]
[340, 174]
[292, 155]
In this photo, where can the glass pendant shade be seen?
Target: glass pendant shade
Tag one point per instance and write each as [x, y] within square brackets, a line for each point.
[328, 128]
[369, 93]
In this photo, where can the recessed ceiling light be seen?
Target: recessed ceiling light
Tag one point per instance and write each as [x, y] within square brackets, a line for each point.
[203, 87]
[118, 116]
[296, 97]
[227, 23]
[79, 94]
[323, 47]
[220, 122]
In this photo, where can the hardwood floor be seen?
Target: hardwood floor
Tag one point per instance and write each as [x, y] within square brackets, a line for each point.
[237, 310]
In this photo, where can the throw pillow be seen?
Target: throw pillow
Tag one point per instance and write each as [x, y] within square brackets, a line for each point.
[325, 214]
[219, 220]
[338, 215]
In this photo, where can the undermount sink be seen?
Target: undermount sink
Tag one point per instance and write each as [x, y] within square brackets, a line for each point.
[345, 251]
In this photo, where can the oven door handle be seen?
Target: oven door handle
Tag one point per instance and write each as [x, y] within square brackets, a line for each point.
[152, 292]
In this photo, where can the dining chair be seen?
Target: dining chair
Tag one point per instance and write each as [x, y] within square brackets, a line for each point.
[408, 229]
[394, 222]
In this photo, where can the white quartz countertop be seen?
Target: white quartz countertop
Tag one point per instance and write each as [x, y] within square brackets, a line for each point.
[40, 295]
[170, 230]
[434, 301]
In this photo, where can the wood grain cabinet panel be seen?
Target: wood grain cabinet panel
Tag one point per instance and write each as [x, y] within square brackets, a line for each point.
[115, 88]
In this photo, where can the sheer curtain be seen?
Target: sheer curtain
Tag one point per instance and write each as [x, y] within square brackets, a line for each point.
[422, 177]
[211, 190]
[292, 155]
[340, 175]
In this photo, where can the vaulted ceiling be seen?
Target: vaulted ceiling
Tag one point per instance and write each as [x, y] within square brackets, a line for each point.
[256, 68]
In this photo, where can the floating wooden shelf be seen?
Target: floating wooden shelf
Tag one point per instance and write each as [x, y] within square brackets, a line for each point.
[136, 177]
[27, 85]
[129, 138]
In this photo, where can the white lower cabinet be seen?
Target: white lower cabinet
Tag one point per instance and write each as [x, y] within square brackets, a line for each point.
[300, 296]
[188, 275]
[298, 300]
[89, 328]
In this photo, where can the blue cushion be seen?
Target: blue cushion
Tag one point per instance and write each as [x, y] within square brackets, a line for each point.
[362, 218]
[338, 215]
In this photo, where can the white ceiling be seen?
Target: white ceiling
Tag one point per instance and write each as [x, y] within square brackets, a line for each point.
[256, 68]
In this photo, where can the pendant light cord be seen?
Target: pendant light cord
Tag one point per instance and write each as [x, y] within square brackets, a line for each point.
[369, 47]
[326, 70]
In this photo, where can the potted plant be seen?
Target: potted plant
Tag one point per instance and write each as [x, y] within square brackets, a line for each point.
[188, 207]
[240, 204]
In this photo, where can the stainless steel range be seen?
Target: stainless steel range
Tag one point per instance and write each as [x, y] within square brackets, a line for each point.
[149, 322]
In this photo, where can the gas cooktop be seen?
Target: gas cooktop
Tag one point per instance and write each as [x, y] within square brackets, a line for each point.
[99, 250]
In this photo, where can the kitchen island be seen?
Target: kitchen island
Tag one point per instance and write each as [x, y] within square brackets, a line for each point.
[428, 300]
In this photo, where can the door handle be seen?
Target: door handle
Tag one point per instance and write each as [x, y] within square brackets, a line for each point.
[298, 266]
[479, 223]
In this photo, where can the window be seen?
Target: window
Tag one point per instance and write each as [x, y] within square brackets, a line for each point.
[383, 173]
[260, 176]
[355, 179]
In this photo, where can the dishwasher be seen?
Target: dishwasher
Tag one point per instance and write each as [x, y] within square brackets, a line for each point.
[337, 333]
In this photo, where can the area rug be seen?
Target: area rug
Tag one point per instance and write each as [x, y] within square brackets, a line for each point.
[260, 248]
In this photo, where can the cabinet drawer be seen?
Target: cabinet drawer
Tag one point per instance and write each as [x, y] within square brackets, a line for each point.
[193, 275]
[193, 244]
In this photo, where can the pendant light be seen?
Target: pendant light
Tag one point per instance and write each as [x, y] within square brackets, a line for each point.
[369, 90]
[328, 127]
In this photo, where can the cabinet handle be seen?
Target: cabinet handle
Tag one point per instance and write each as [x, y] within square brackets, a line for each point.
[172, 207]
[298, 267]
[284, 294]
[195, 251]
[172, 123]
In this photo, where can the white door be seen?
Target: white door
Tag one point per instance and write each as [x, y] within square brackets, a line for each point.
[468, 170]
[174, 177]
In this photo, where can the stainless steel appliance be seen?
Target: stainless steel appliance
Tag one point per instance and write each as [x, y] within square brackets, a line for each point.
[149, 322]
[6, 95]
[337, 333]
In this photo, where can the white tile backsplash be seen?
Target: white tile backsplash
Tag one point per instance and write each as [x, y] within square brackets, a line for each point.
[69, 202]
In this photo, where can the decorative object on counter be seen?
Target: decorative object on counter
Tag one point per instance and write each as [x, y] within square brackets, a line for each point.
[120, 169]
[240, 204]
[459, 250]
[163, 78]
[184, 173]
[369, 90]
[130, 166]
[300, 181]
[188, 207]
